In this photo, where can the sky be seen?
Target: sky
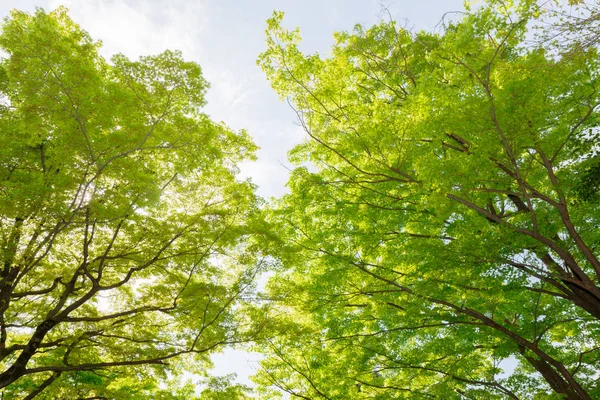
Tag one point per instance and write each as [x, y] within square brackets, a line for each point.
[225, 38]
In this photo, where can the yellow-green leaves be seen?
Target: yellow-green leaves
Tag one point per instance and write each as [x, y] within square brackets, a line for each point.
[123, 226]
[439, 241]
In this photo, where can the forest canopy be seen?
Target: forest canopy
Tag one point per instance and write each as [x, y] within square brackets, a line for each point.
[439, 239]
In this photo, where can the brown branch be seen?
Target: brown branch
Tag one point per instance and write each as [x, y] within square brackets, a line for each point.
[43, 386]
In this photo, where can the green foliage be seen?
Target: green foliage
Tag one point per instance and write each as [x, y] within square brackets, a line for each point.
[222, 388]
[124, 232]
[442, 237]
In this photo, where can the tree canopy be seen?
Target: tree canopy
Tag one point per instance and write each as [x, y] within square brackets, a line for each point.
[124, 232]
[439, 239]
[441, 235]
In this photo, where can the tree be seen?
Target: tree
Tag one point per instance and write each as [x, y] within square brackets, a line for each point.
[124, 231]
[438, 244]
[571, 26]
[222, 388]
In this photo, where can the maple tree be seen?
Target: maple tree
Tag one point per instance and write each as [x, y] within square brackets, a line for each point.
[442, 241]
[123, 228]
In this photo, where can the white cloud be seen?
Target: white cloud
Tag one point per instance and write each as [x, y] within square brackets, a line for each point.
[141, 27]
